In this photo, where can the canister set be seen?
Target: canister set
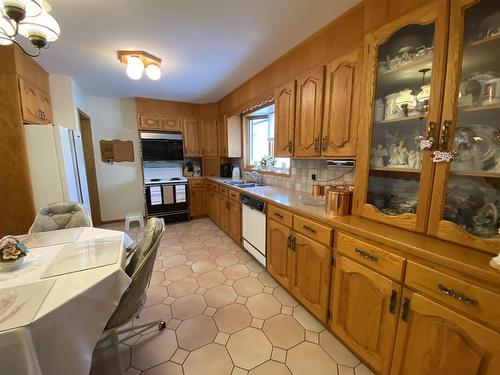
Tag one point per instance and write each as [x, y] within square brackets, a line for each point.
[338, 198]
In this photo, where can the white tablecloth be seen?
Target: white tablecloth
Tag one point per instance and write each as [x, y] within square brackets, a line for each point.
[68, 323]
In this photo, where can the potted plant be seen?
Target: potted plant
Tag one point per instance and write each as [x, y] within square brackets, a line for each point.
[12, 253]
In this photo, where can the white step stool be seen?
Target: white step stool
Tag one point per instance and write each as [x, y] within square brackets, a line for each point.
[133, 216]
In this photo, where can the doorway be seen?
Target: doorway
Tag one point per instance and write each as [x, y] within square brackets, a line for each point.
[88, 152]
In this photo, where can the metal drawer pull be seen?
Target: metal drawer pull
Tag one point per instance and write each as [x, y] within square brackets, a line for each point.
[309, 229]
[405, 309]
[279, 216]
[457, 295]
[366, 255]
[392, 302]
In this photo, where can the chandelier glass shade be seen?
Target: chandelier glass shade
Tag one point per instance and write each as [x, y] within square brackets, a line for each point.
[138, 62]
[135, 67]
[30, 19]
[153, 72]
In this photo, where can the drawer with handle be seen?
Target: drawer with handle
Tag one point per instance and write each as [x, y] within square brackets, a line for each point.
[213, 186]
[234, 195]
[197, 183]
[371, 255]
[223, 190]
[313, 230]
[279, 215]
[468, 298]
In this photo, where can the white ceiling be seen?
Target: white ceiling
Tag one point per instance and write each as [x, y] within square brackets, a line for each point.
[208, 47]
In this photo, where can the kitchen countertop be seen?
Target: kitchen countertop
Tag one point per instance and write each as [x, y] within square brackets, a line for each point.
[413, 245]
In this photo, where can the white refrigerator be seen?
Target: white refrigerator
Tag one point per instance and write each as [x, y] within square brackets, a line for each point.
[57, 165]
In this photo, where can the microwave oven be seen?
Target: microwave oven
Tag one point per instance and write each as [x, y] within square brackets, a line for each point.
[161, 146]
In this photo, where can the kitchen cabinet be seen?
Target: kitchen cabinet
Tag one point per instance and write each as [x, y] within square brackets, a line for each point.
[230, 136]
[171, 124]
[437, 88]
[284, 120]
[36, 105]
[192, 140]
[150, 122]
[309, 113]
[432, 339]
[223, 139]
[311, 275]
[365, 309]
[234, 230]
[197, 202]
[214, 207]
[279, 257]
[223, 203]
[210, 167]
[340, 115]
[209, 140]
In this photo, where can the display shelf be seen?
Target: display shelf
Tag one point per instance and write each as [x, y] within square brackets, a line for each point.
[480, 108]
[395, 170]
[402, 119]
[485, 174]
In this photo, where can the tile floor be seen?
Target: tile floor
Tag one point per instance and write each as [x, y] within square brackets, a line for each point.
[225, 315]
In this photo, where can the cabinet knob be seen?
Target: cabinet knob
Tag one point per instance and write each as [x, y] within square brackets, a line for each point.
[316, 144]
[324, 143]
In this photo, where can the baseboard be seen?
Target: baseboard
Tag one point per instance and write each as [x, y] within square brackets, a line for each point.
[112, 221]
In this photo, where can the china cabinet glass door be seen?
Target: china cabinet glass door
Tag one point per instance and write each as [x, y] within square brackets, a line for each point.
[466, 198]
[402, 106]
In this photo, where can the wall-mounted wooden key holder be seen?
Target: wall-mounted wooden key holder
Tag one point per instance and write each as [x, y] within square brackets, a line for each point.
[116, 151]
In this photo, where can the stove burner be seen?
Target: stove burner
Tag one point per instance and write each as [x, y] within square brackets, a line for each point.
[155, 179]
[175, 179]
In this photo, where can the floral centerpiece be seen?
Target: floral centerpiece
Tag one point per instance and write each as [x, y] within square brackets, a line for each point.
[12, 253]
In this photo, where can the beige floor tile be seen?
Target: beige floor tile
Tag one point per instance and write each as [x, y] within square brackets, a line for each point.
[212, 359]
[193, 246]
[179, 356]
[255, 266]
[174, 260]
[153, 348]
[263, 306]
[196, 332]
[171, 250]
[249, 348]
[284, 297]
[169, 300]
[167, 368]
[232, 318]
[242, 300]
[287, 310]
[283, 331]
[155, 295]
[344, 370]
[307, 358]
[312, 337]
[157, 278]
[182, 287]
[227, 259]
[219, 250]
[201, 291]
[236, 271]
[266, 279]
[362, 370]
[188, 238]
[337, 350]
[156, 312]
[307, 320]
[221, 338]
[248, 287]
[196, 255]
[220, 295]
[215, 242]
[229, 282]
[174, 323]
[132, 371]
[157, 265]
[178, 272]
[188, 307]
[211, 279]
[278, 355]
[239, 371]
[254, 274]
[257, 323]
[272, 368]
[204, 265]
[210, 311]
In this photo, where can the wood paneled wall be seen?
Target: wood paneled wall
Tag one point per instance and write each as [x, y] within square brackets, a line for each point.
[171, 108]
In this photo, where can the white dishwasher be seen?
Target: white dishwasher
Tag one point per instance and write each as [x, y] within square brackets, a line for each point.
[254, 227]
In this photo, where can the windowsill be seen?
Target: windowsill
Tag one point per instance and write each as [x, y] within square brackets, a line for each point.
[272, 172]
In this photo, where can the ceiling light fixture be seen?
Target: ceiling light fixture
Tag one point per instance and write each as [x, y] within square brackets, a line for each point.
[138, 61]
[31, 19]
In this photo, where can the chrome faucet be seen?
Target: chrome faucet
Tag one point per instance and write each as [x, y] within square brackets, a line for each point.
[255, 176]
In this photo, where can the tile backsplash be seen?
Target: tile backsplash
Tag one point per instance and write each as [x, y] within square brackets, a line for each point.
[301, 171]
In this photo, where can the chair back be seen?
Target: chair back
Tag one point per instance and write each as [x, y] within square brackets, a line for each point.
[61, 215]
[140, 269]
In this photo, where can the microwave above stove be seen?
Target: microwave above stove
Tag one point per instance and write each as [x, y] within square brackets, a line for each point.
[161, 146]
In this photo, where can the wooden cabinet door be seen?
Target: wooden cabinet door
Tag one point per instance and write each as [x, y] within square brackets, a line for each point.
[209, 137]
[365, 312]
[433, 340]
[235, 221]
[223, 213]
[150, 122]
[233, 129]
[341, 106]
[192, 141]
[309, 113]
[45, 104]
[214, 207]
[197, 202]
[279, 254]
[171, 123]
[30, 104]
[284, 124]
[210, 167]
[311, 275]
[222, 138]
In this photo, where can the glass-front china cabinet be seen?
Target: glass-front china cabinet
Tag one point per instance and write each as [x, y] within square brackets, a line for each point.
[430, 160]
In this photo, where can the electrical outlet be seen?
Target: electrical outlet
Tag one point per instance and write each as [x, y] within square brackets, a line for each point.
[313, 174]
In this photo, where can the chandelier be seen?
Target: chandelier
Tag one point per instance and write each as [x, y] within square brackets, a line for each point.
[138, 62]
[31, 19]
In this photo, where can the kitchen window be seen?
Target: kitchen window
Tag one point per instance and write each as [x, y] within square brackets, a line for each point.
[260, 143]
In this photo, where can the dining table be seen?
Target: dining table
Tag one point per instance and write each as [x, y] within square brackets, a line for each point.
[55, 305]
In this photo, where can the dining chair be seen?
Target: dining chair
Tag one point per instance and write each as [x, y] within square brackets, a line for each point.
[140, 269]
[60, 215]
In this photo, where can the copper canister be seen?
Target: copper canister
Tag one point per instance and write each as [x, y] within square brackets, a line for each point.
[339, 201]
[317, 190]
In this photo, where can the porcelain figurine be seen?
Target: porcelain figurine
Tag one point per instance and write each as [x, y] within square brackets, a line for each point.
[485, 222]
[413, 160]
[400, 155]
[377, 157]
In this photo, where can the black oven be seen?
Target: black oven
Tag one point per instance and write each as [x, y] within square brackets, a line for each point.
[161, 146]
[168, 201]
